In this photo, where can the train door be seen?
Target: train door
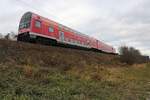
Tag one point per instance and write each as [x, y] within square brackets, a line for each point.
[61, 36]
[97, 44]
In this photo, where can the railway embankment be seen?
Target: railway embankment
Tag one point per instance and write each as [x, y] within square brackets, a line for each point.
[37, 72]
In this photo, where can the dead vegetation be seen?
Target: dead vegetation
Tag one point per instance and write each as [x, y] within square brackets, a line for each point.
[47, 56]
[37, 72]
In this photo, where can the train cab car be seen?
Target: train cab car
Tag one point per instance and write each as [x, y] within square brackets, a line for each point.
[33, 27]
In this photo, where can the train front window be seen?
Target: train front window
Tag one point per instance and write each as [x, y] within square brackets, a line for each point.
[25, 21]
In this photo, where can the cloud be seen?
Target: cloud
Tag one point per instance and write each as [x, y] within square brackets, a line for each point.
[115, 22]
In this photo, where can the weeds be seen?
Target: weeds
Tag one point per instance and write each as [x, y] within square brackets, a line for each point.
[33, 72]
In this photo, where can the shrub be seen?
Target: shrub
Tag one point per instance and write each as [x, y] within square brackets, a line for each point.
[130, 55]
[7, 36]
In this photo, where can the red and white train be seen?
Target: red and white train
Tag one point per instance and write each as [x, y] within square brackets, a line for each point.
[35, 28]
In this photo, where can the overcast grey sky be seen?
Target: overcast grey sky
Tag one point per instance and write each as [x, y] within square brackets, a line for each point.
[116, 22]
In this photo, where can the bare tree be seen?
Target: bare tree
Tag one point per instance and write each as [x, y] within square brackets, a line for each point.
[13, 36]
[10, 36]
[131, 55]
[7, 36]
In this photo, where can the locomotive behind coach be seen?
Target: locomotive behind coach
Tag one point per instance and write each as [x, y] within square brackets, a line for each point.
[35, 28]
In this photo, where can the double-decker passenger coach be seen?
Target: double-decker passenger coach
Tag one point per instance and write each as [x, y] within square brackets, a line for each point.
[35, 28]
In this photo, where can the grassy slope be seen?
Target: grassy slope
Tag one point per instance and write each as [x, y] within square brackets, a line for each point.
[35, 72]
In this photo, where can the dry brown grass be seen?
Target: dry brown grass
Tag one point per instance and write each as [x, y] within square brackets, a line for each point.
[37, 72]
[48, 56]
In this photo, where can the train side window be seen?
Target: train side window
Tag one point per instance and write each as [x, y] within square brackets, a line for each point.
[66, 39]
[37, 24]
[82, 43]
[71, 40]
[79, 42]
[60, 26]
[51, 29]
[76, 42]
